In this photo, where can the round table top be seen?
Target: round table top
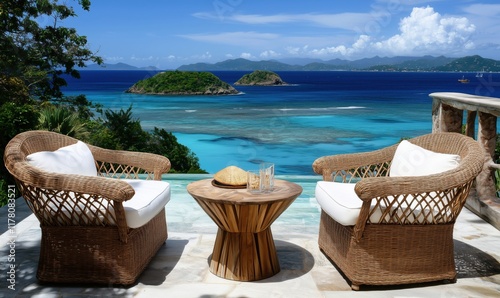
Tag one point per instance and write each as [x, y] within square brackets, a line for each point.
[283, 190]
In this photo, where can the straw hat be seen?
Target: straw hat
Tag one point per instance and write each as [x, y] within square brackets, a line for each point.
[231, 176]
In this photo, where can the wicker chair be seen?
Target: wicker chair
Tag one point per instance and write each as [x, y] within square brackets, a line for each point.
[403, 229]
[85, 234]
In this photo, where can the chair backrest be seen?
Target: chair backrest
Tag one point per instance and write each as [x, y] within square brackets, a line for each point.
[451, 143]
[26, 143]
[30, 142]
[41, 190]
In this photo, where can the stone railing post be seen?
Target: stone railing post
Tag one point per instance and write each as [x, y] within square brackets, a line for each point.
[486, 136]
[447, 116]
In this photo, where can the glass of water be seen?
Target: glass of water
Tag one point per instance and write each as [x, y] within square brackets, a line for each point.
[266, 176]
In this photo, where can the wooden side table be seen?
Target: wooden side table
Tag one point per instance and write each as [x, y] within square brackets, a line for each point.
[244, 247]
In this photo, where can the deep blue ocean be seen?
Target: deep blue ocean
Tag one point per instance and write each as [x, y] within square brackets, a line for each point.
[319, 113]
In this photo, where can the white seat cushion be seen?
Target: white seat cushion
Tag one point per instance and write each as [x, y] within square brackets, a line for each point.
[412, 160]
[72, 159]
[150, 198]
[339, 200]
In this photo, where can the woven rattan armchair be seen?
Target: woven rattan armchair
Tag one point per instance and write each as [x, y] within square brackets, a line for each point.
[86, 228]
[403, 229]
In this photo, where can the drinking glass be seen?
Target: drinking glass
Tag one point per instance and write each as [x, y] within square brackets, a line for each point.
[253, 181]
[266, 176]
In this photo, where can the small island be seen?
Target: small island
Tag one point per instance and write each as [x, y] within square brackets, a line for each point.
[183, 83]
[261, 78]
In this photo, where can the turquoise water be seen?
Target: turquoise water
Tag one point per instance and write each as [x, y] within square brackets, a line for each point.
[320, 113]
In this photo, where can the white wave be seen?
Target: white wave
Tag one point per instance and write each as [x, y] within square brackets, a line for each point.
[325, 109]
[190, 111]
[350, 108]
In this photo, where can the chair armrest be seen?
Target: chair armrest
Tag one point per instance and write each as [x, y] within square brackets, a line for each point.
[111, 189]
[63, 199]
[151, 163]
[354, 162]
[374, 187]
[433, 199]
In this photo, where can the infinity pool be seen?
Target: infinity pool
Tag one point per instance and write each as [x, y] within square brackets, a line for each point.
[185, 215]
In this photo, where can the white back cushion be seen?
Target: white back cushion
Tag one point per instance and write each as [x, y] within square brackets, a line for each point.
[72, 159]
[413, 160]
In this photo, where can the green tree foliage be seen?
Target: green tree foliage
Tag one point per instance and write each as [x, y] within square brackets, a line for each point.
[62, 120]
[260, 77]
[471, 63]
[17, 112]
[127, 133]
[37, 49]
[183, 160]
[182, 82]
[13, 89]
[120, 131]
[14, 118]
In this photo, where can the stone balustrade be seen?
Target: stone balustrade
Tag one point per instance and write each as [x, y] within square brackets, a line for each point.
[448, 112]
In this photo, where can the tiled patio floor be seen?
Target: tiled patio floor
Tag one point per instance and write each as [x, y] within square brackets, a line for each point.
[180, 268]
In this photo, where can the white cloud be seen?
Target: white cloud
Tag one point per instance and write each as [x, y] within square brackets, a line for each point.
[149, 58]
[427, 31]
[341, 50]
[487, 19]
[487, 10]
[234, 38]
[204, 56]
[113, 58]
[423, 32]
[204, 15]
[297, 50]
[341, 20]
[246, 56]
[362, 43]
[269, 54]
[262, 19]
[293, 50]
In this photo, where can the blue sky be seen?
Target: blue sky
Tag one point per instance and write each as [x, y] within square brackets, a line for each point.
[167, 34]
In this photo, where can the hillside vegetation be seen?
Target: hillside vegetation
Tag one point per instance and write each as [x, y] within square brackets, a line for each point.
[240, 64]
[400, 63]
[261, 78]
[181, 83]
[471, 63]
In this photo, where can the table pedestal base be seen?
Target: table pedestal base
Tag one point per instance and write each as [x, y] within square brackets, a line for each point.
[244, 256]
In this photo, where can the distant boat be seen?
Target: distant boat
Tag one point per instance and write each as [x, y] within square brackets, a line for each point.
[479, 74]
[463, 80]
